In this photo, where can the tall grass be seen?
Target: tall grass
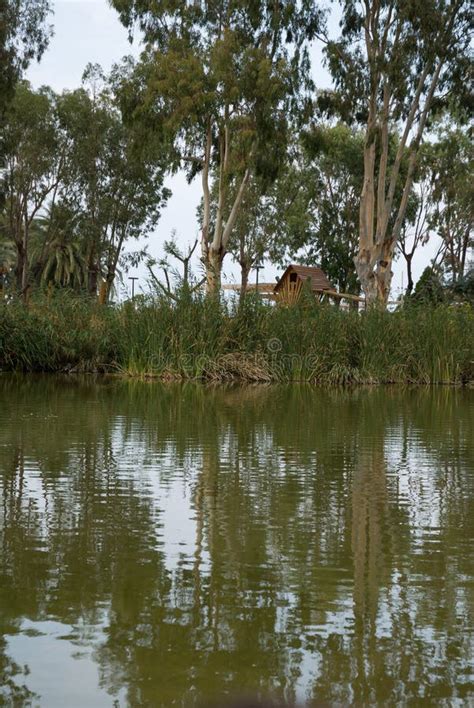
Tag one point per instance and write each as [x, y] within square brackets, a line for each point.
[57, 334]
[206, 339]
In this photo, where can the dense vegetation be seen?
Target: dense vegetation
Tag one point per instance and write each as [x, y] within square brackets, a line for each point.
[226, 93]
[346, 178]
[202, 338]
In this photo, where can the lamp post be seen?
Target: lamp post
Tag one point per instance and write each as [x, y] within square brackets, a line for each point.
[257, 267]
[133, 278]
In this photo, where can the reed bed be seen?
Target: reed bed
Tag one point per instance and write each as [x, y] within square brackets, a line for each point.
[210, 340]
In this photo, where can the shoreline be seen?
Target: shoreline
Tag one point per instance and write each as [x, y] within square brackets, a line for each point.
[233, 380]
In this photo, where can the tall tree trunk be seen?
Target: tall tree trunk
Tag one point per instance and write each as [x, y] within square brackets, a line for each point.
[107, 283]
[464, 250]
[409, 289]
[213, 251]
[375, 273]
[19, 265]
[103, 292]
[106, 287]
[92, 272]
[384, 273]
[206, 195]
[24, 270]
[376, 245]
[365, 259]
[213, 265]
[364, 265]
[244, 280]
[92, 283]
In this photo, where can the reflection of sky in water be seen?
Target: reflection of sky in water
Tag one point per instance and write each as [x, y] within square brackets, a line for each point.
[60, 660]
[170, 486]
[168, 479]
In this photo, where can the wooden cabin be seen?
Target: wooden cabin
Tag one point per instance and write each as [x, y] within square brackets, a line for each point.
[287, 290]
[289, 287]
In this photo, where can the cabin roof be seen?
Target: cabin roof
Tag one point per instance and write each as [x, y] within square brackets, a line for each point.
[318, 278]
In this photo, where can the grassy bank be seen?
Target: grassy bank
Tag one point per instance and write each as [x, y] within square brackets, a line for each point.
[206, 340]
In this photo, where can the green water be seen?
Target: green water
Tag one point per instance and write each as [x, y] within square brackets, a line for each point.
[177, 545]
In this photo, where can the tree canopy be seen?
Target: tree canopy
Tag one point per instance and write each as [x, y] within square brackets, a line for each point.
[78, 185]
[24, 36]
[394, 65]
[220, 82]
[227, 93]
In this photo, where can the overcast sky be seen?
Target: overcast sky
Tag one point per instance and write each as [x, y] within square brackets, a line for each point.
[89, 31]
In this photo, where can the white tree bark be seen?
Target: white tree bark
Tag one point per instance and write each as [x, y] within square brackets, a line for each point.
[377, 241]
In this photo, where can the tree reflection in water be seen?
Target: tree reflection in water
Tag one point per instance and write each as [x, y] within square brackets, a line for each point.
[326, 556]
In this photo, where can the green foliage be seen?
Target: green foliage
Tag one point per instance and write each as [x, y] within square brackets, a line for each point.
[315, 204]
[204, 339]
[24, 36]
[395, 65]
[78, 185]
[113, 185]
[429, 288]
[64, 264]
[34, 162]
[57, 256]
[402, 41]
[60, 332]
[219, 85]
[451, 163]
[252, 235]
[223, 90]
[7, 258]
[463, 287]
[177, 285]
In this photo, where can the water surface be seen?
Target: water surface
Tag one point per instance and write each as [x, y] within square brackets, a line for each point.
[177, 545]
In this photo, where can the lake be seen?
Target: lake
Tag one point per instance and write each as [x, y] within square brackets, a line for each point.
[182, 545]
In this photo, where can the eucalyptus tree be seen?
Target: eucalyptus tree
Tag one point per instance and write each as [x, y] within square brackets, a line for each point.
[35, 159]
[452, 198]
[323, 200]
[417, 228]
[219, 82]
[309, 212]
[312, 210]
[442, 203]
[251, 237]
[252, 233]
[395, 62]
[113, 184]
[24, 36]
[334, 158]
[71, 162]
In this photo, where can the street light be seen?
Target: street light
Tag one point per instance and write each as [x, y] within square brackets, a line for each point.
[133, 278]
[257, 267]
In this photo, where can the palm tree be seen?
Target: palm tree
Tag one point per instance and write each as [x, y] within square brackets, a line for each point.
[57, 249]
[64, 264]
